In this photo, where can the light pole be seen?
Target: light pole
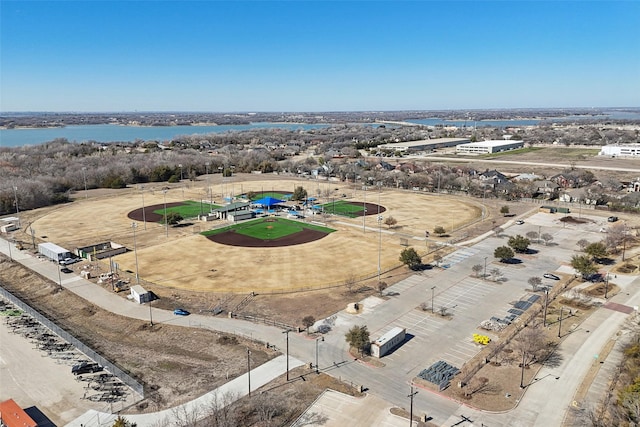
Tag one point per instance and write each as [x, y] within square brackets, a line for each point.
[364, 208]
[15, 194]
[144, 215]
[135, 250]
[522, 370]
[560, 323]
[249, 369]
[150, 314]
[379, 231]
[484, 275]
[546, 303]
[84, 177]
[606, 286]
[432, 307]
[413, 393]
[166, 223]
[59, 276]
[9, 245]
[206, 165]
[287, 333]
[318, 339]
[180, 166]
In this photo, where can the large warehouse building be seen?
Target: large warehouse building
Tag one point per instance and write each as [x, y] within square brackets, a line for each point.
[627, 150]
[488, 147]
[423, 144]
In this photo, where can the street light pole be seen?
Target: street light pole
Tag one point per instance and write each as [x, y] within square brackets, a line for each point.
[432, 307]
[364, 208]
[59, 276]
[522, 371]
[9, 245]
[318, 339]
[606, 286]
[413, 393]
[84, 177]
[379, 232]
[135, 250]
[166, 223]
[484, 275]
[546, 303]
[287, 333]
[249, 369]
[144, 215]
[560, 324]
[15, 194]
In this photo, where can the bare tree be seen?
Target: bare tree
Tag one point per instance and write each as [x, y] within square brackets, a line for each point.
[530, 344]
[266, 408]
[532, 235]
[582, 243]
[496, 274]
[308, 322]
[390, 222]
[535, 283]
[381, 287]
[350, 283]
[477, 269]
[547, 238]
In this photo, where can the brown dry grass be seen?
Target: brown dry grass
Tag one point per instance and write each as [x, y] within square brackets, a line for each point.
[187, 260]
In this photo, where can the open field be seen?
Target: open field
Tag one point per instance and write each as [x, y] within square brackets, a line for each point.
[269, 228]
[187, 260]
[189, 209]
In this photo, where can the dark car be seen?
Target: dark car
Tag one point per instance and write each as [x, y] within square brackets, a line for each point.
[66, 270]
[612, 219]
[85, 368]
[181, 312]
[550, 276]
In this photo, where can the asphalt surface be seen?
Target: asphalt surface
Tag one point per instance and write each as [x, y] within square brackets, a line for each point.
[469, 300]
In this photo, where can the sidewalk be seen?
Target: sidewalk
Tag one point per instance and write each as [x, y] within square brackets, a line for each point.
[227, 393]
[113, 303]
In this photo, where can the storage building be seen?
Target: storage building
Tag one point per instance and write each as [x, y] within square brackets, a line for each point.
[488, 147]
[626, 150]
[423, 144]
[53, 251]
[140, 294]
[12, 415]
[388, 341]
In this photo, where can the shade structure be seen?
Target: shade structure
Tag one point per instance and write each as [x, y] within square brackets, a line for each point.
[267, 201]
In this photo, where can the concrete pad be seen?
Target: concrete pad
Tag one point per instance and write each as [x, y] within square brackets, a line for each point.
[335, 409]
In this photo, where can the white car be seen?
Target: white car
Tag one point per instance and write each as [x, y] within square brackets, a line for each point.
[519, 222]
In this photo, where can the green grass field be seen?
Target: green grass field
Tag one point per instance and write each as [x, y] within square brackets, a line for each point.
[272, 194]
[190, 209]
[268, 228]
[341, 207]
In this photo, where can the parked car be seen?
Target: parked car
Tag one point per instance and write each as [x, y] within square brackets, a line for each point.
[612, 219]
[519, 222]
[86, 368]
[550, 276]
[69, 261]
[66, 270]
[180, 312]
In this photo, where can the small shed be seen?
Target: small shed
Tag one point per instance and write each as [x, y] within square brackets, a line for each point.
[240, 216]
[140, 295]
[388, 341]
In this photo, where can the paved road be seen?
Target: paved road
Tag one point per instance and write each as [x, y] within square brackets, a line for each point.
[470, 300]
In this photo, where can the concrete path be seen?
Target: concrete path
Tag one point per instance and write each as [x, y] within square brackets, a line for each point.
[229, 392]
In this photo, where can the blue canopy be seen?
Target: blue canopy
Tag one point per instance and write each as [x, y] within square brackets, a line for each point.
[267, 201]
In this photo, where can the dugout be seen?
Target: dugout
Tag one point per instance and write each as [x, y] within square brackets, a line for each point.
[223, 212]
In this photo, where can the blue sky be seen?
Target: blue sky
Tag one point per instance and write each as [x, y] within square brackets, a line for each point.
[317, 56]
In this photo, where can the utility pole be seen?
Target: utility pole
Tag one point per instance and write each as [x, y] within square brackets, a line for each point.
[560, 324]
[432, 306]
[317, 367]
[413, 393]
[166, 223]
[522, 370]
[135, 251]
[484, 275]
[249, 369]
[144, 215]
[287, 333]
[546, 303]
[84, 177]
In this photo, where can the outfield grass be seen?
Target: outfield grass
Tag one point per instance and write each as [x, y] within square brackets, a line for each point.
[272, 194]
[190, 209]
[268, 228]
[341, 207]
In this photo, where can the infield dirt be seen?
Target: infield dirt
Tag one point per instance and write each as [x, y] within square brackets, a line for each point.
[187, 260]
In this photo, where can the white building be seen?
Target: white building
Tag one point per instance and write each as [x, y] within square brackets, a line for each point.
[140, 294]
[423, 144]
[488, 147]
[627, 150]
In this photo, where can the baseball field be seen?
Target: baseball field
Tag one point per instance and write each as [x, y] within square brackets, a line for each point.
[353, 244]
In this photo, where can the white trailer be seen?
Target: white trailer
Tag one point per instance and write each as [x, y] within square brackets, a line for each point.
[388, 341]
[53, 251]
